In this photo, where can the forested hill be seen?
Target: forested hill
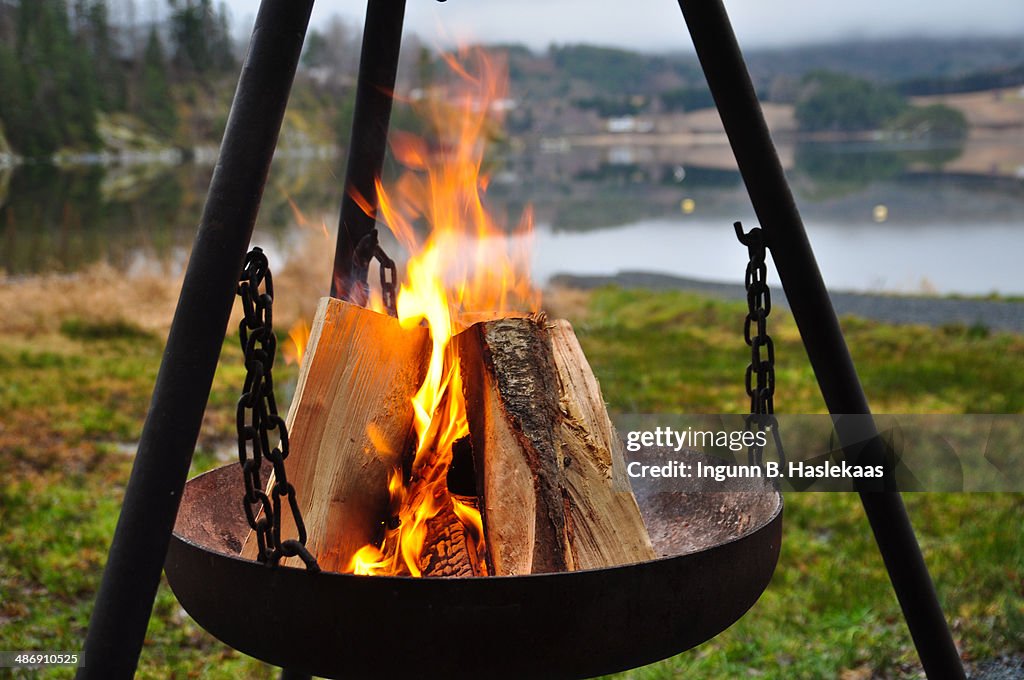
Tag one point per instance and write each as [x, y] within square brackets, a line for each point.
[81, 76]
[915, 66]
[841, 88]
[893, 61]
[62, 64]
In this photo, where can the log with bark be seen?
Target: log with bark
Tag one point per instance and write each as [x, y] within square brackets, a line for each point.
[511, 388]
[549, 465]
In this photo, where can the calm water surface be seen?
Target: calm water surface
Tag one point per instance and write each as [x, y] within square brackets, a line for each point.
[879, 219]
[970, 259]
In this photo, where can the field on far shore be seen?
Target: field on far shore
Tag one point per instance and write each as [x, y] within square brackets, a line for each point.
[993, 147]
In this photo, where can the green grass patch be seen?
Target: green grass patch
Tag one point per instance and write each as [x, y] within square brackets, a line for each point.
[74, 405]
[679, 352]
[830, 607]
[117, 329]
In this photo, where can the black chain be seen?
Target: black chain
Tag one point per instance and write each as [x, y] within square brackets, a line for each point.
[257, 417]
[366, 250]
[760, 376]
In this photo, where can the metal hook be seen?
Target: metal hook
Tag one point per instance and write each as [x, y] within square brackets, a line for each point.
[753, 238]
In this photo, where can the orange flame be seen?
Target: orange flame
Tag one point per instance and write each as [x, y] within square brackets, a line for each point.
[295, 348]
[468, 269]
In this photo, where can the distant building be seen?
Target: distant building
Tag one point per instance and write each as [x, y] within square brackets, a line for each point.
[629, 124]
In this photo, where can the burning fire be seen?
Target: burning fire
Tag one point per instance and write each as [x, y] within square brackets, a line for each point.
[298, 338]
[467, 269]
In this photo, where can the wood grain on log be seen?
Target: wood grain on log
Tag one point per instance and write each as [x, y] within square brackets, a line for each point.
[605, 525]
[350, 422]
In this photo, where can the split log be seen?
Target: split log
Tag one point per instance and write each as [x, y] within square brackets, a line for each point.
[549, 464]
[549, 468]
[350, 425]
[605, 525]
[511, 389]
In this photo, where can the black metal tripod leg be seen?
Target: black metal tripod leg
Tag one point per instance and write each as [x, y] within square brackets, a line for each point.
[776, 210]
[378, 67]
[118, 624]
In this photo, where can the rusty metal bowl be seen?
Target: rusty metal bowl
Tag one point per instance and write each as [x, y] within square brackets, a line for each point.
[719, 552]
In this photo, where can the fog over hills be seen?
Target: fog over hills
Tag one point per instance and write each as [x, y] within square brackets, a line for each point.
[657, 25]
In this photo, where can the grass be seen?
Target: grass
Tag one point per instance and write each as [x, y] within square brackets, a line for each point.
[74, 396]
[117, 329]
[830, 609]
[74, 403]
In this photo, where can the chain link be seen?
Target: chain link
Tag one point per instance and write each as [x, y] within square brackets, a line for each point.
[760, 375]
[257, 417]
[366, 250]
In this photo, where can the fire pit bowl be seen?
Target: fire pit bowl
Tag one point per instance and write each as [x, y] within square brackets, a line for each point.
[720, 549]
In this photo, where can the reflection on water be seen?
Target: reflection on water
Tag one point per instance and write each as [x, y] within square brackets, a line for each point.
[836, 170]
[880, 218]
[63, 219]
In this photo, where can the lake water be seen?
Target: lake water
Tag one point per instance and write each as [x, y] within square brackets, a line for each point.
[862, 256]
[880, 219]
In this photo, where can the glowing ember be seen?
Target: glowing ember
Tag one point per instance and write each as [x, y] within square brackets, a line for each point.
[467, 269]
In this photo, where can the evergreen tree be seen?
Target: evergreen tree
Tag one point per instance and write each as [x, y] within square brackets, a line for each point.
[201, 37]
[94, 33]
[49, 91]
[222, 49]
[155, 105]
[316, 50]
[190, 50]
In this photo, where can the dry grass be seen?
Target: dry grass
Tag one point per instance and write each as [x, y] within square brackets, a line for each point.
[989, 109]
[304, 276]
[567, 303]
[39, 305]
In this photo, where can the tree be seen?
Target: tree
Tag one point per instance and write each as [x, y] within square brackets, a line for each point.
[334, 51]
[93, 34]
[316, 50]
[839, 102]
[49, 90]
[606, 69]
[155, 106]
[686, 99]
[201, 37]
[934, 122]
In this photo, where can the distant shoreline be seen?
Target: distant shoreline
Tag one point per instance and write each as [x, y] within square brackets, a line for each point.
[998, 315]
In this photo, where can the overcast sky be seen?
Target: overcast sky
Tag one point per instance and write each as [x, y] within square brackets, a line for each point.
[658, 24]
